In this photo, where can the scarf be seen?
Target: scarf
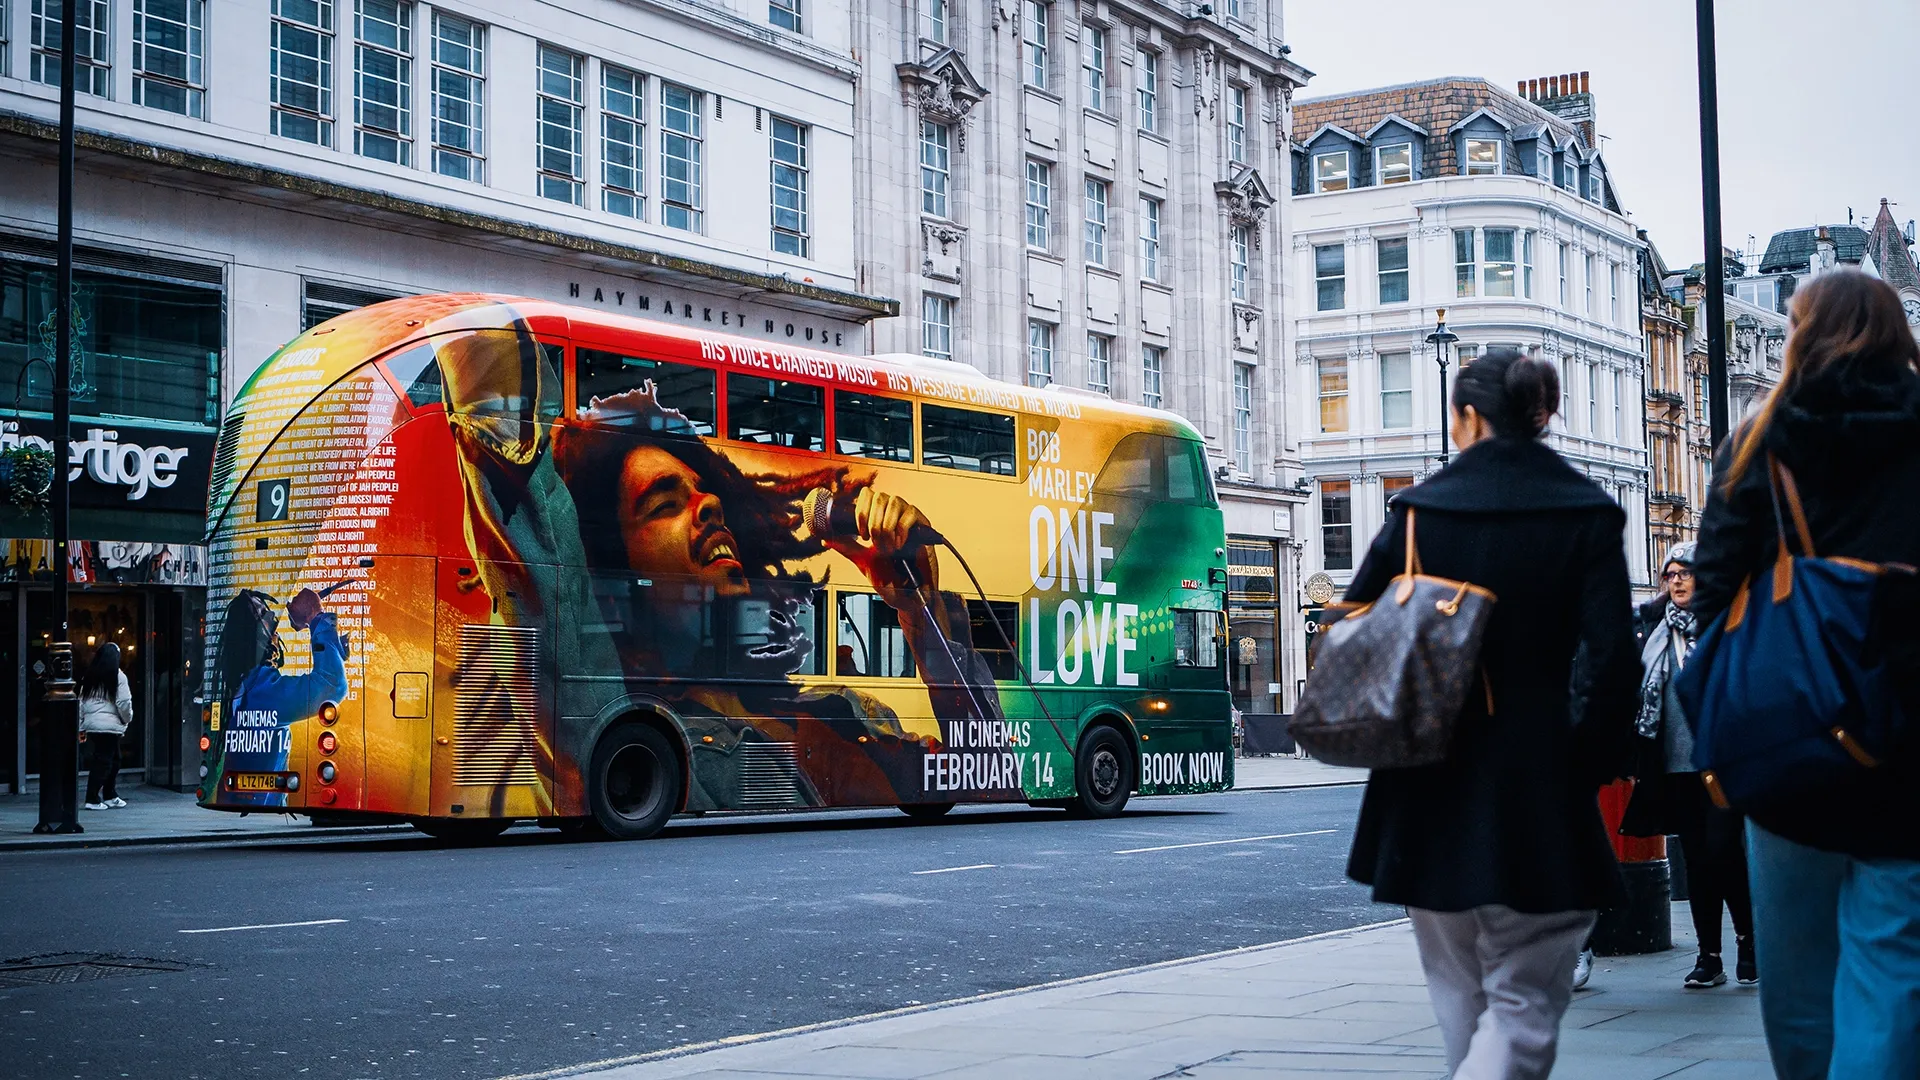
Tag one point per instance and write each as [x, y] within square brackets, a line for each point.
[1665, 652]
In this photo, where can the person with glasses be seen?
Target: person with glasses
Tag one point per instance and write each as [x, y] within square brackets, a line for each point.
[1668, 797]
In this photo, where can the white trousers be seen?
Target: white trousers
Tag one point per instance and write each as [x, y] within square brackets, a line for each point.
[1500, 982]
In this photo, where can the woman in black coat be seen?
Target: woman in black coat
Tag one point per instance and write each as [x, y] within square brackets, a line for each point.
[1499, 853]
[1836, 876]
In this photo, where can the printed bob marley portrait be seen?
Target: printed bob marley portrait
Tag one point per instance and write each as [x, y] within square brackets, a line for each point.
[698, 576]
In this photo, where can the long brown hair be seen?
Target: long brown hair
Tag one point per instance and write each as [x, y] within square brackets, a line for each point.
[1842, 321]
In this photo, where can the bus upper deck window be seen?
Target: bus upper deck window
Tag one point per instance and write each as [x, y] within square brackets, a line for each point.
[873, 427]
[500, 372]
[966, 439]
[682, 387]
[772, 412]
[1162, 468]
[1187, 479]
[417, 371]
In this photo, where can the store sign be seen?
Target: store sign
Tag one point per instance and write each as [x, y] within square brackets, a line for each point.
[115, 465]
[106, 562]
[724, 315]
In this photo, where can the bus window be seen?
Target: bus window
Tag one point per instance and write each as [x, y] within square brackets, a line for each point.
[499, 372]
[966, 439]
[1196, 639]
[1187, 480]
[782, 631]
[871, 642]
[1158, 467]
[772, 412]
[683, 387]
[994, 644]
[1130, 468]
[873, 427]
[419, 373]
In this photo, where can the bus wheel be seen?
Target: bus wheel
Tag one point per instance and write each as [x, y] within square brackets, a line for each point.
[634, 784]
[1102, 774]
[461, 833]
[926, 811]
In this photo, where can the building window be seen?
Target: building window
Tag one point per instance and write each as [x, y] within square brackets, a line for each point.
[1039, 353]
[459, 75]
[1236, 9]
[936, 326]
[1498, 269]
[1483, 157]
[1393, 164]
[784, 14]
[1526, 264]
[1236, 123]
[1566, 277]
[1149, 69]
[1239, 244]
[1543, 165]
[169, 53]
[1100, 363]
[1093, 59]
[1333, 393]
[1336, 524]
[933, 21]
[1463, 265]
[1589, 283]
[6, 40]
[301, 77]
[1331, 170]
[1153, 370]
[1391, 254]
[1593, 184]
[1034, 37]
[1613, 291]
[382, 79]
[1096, 211]
[1396, 390]
[1039, 205]
[562, 106]
[1392, 486]
[936, 167]
[680, 154]
[789, 187]
[93, 24]
[623, 142]
[1330, 276]
[1243, 419]
[1619, 395]
[1593, 399]
[1149, 238]
[1569, 172]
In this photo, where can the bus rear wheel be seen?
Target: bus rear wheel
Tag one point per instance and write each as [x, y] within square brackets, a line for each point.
[461, 833]
[1102, 774]
[635, 782]
[926, 811]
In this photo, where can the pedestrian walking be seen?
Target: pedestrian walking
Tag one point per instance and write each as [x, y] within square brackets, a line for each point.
[106, 708]
[1668, 796]
[1499, 853]
[1836, 874]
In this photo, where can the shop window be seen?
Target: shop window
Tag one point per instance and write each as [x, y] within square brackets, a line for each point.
[867, 426]
[773, 412]
[1391, 486]
[682, 387]
[1336, 524]
[966, 439]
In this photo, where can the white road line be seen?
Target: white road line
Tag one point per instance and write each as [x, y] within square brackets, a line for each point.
[264, 926]
[1213, 843]
[957, 869]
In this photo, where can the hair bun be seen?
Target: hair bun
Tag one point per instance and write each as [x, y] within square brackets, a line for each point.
[1517, 394]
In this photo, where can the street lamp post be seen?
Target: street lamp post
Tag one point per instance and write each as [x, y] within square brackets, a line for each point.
[1442, 340]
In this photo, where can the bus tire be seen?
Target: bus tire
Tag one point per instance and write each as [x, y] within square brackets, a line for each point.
[635, 782]
[1102, 774]
[926, 811]
[461, 833]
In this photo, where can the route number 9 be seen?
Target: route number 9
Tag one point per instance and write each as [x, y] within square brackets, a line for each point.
[274, 497]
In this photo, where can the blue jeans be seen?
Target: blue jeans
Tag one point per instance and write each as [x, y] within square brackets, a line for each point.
[1839, 951]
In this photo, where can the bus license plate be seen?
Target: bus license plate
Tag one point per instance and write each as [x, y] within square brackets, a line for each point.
[257, 781]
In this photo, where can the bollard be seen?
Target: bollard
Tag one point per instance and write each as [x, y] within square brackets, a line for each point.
[1645, 924]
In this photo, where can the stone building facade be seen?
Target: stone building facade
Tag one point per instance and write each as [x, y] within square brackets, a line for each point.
[1679, 455]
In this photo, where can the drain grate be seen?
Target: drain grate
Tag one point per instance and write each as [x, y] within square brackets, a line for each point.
[58, 968]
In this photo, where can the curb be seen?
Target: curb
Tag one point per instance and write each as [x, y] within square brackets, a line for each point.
[70, 843]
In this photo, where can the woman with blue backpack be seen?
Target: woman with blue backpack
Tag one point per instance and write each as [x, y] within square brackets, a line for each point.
[1805, 687]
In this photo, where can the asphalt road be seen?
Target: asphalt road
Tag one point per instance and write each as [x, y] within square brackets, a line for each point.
[540, 951]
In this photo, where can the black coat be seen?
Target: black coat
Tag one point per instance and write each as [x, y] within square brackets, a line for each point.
[1853, 445]
[1511, 816]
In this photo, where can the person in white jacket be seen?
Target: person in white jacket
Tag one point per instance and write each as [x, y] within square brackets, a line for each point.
[106, 708]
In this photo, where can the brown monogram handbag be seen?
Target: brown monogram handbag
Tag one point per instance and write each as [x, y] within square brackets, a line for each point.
[1389, 679]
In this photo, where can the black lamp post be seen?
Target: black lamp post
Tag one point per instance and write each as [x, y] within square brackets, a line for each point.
[1442, 340]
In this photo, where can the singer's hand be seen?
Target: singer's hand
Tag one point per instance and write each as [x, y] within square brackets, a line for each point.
[886, 523]
[302, 608]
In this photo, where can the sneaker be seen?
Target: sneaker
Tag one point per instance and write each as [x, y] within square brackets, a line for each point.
[1583, 969]
[1708, 972]
[116, 802]
[1745, 968]
[98, 806]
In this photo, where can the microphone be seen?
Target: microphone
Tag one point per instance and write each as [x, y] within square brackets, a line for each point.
[829, 515]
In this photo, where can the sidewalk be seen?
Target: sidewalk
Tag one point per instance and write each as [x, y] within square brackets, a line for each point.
[1262, 773]
[1348, 1002]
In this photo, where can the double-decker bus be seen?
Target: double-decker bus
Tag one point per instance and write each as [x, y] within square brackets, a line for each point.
[478, 560]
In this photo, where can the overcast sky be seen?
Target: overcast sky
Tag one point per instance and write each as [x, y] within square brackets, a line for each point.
[1811, 118]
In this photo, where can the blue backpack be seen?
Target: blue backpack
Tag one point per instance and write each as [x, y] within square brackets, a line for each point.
[1788, 692]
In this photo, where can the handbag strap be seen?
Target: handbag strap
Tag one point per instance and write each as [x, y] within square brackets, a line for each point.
[1781, 486]
[1413, 550]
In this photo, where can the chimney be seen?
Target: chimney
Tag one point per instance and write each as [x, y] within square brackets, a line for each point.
[1825, 255]
[1568, 96]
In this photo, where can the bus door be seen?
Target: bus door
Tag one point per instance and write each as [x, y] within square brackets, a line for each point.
[398, 692]
[492, 726]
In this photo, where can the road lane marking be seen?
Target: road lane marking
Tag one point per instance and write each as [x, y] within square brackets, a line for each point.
[1215, 843]
[263, 926]
[956, 869]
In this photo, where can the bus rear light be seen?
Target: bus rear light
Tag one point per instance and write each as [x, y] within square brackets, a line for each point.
[206, 744]
[329, 712]
[328, 743]
[329, 796]
[327, 772]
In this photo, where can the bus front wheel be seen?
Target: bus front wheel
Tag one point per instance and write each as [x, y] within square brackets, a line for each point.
[1102, 774]
[635, 782]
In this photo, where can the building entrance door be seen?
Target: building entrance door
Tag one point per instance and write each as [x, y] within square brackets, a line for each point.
[95, 617]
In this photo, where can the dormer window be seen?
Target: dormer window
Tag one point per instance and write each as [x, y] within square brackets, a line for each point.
[1331, 171]
[1483, 157]
[1393, 164]
[1543, 166]
[1593, 185]
[1570, 174]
